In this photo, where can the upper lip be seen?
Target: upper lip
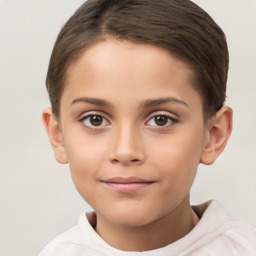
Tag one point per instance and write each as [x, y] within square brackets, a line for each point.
[126, 180]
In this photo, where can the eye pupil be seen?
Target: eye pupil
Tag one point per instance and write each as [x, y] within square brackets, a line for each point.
[161, 120]
[96, 120]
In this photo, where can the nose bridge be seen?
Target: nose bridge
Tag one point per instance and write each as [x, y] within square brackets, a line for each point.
[126, 144]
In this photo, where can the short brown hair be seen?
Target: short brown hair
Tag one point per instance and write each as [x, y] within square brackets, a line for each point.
[179, 26]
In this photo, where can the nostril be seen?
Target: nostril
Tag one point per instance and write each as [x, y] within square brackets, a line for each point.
[127, 158]
[132, 160]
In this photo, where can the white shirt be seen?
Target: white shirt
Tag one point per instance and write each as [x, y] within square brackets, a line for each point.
[216, 234]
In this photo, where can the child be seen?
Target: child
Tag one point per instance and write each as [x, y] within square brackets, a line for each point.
[137, 89]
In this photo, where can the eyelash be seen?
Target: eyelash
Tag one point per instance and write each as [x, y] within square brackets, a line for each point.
[171, 121]
[91, 126]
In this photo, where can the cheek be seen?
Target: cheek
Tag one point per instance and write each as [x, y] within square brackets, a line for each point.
[178, 157]
[85, 158]
[83, 150]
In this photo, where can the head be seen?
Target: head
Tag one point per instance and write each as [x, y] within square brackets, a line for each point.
[179, 26]
[137, 90]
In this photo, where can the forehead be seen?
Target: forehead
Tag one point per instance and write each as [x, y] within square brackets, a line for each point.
[130, 55]
[113, 68]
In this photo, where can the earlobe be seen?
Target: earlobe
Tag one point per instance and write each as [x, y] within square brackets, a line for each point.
[217, 135]
[54, 132]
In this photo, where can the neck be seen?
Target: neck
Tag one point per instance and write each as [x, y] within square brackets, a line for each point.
[159, 233]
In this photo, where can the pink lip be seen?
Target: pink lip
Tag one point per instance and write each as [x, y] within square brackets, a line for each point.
[127, 184]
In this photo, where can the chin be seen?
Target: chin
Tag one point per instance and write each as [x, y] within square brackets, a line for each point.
[130, 218]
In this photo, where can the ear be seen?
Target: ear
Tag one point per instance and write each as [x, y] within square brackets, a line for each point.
[54, 132]
[218, 132]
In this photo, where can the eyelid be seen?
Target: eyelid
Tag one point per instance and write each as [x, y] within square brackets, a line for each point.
[174, 120]
[163, 113]
[91, 113]
[87, 114]
[171, 116]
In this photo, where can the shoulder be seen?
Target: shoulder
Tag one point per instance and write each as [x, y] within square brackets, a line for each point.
[240, 235]
[60, 244]
[71, 242]
[224, 232]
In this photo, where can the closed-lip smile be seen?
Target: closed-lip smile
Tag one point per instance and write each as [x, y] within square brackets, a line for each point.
[127, 184]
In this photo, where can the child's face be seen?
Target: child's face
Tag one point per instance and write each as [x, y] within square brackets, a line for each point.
[133, 131]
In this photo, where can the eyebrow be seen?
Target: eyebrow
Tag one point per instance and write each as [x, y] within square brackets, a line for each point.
[146, 104]
[93, 101]
[155, 102]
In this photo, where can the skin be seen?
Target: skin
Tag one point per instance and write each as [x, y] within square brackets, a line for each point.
[126, 87]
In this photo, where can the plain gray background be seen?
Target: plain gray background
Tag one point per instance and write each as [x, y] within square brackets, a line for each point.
[37, 197]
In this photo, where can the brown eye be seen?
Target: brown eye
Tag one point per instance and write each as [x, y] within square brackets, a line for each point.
[161, 120]
[93, 121]
[96, 120]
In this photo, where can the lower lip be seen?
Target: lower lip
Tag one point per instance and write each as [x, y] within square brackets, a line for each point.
[128, 187]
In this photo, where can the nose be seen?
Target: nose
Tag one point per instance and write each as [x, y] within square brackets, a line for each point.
[127, 147]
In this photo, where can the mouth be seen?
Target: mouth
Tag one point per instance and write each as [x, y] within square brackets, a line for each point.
[127, 184]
